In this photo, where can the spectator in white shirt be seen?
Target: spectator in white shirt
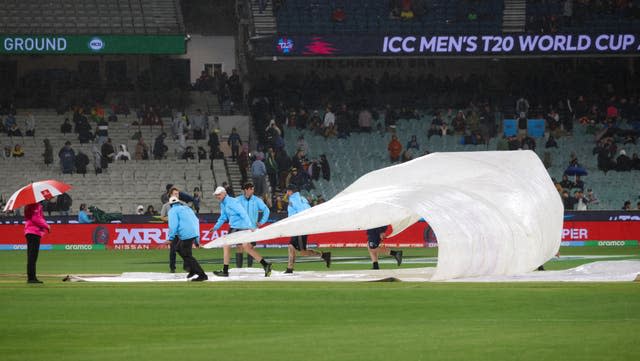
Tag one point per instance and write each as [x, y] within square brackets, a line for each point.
[329, 125]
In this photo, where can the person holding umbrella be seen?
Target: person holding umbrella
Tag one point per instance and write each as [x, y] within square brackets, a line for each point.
[35, 225]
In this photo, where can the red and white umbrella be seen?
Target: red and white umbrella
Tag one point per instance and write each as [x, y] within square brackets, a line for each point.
[36, 192]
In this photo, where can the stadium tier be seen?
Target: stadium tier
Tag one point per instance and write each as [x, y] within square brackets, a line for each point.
[123, 185]
[150, 17]
[389, 17]
[570, 16]
[354, 156]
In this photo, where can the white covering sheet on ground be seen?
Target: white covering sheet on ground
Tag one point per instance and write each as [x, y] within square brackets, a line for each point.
[494, 213]
[602, 271]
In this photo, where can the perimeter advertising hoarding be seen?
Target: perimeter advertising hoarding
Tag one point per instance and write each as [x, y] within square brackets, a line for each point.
[148, 236]
[91, 44]
[449, 45]
[618, 230]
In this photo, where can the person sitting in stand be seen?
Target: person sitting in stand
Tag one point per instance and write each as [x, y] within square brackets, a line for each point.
[188, 153]
[566, 183]
[395, 149]
[17, 151]
[202, 154]
[123, 153]
[623, 162]
[84, 214]
[65, 127]
[150, 211]
[338, 15]
[578, 183]
[413, 144]
[9, 122]
[551, 142]
[14, 131]
[406, 12]
[108, 151]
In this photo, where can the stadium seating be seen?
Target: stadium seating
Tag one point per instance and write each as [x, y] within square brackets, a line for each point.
[362, 152]
[303, 17]
[95, 16]
[122, 186]
[604, 17]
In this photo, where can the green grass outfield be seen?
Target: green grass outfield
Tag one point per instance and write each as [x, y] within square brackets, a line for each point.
[308, 321]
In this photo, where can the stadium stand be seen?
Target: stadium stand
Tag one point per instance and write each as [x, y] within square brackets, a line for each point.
[360, 153]
[582, 103]
[547, 83]
[123, 185]
[386, 17]
[569, 16]
[91, 16]
[209, 17]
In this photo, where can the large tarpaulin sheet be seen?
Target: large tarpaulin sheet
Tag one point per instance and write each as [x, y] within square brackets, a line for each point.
[494, 213]
[603, 271]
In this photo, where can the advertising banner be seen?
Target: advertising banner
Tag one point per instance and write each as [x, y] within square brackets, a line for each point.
[449, 45]
[606, 233]
[91, 44]
[596, 228]
[148, 236]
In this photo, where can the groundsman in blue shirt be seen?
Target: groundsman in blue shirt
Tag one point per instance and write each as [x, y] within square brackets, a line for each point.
[232, 211]
[297, 204]
[184, 229]
[253, 205]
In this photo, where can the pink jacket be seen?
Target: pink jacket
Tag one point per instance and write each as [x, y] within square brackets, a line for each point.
[34, 220]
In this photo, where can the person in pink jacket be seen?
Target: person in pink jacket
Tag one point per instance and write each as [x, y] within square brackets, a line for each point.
[35, 227]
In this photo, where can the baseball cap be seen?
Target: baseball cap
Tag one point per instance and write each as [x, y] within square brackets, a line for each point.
[219, 190]
[173, 200]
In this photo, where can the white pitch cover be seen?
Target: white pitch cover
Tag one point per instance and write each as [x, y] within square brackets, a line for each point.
[494, 213]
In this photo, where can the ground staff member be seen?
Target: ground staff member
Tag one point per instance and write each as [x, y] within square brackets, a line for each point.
[236, 215]
[35, 227]
[253, 205]
[164, 212]
[375, 237]
[297, 204]
[184, 229]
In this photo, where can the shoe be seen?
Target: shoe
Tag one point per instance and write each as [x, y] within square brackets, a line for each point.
[398, 257]
[267, 269]
[34, 281]
[289, 271]
[200, 278]
[326, 256]
[221, 273]
[172, 270]
[191, 274]
[541, 268]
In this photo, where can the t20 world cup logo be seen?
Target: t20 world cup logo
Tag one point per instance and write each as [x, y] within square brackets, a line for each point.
[285, 45]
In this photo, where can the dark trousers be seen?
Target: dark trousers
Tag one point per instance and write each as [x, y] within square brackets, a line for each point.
[183, 247]
[273, 179]
[33, 247]
[258, 183]
[243, 174]
[172, 254]
[235, 149]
